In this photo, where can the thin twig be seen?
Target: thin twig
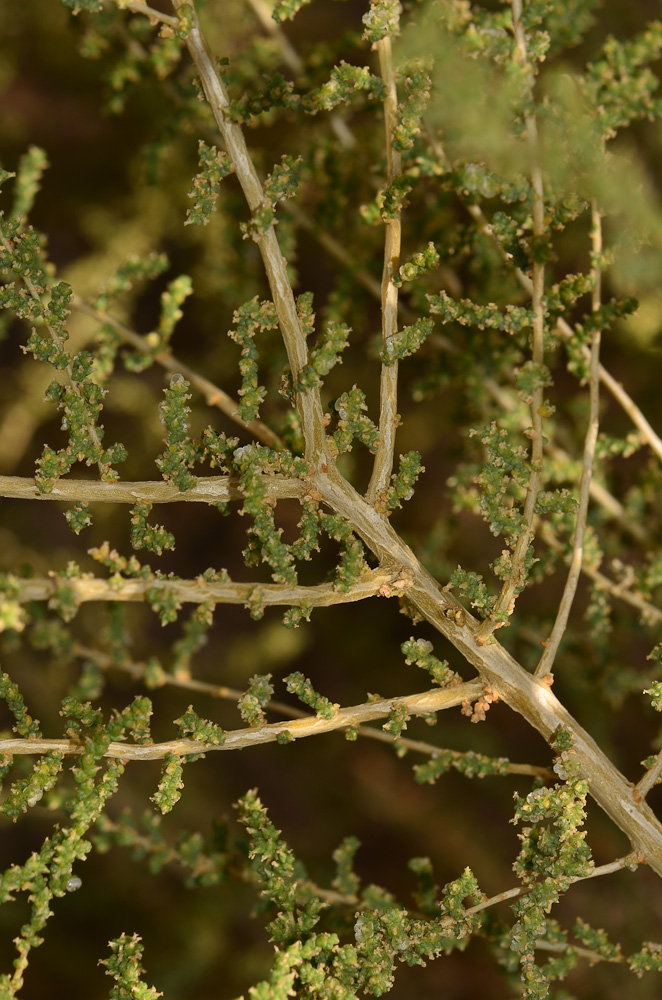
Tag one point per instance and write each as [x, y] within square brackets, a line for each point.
[627, 861]
[388, 385]
[546, 664]
[309, 403]
[435, 700]
[214, 395]
[517, 575]
[650, 778]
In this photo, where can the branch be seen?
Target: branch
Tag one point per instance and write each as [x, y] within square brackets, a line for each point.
[651, 777]
[546, 663]
[87, 588]
[172, 364]
[417, 704]
[208, 489]
[308, 403]
[138, 671]
[514, 685]
[388, 386]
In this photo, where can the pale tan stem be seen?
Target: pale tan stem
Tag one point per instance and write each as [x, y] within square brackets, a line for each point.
[546, 664]
[88, 588]
[435, 700]
[308, 403]
[207, 489]
[517, 576]
[170, 363]
[388, 385]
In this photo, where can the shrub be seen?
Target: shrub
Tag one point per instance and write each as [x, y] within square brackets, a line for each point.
[431, 470]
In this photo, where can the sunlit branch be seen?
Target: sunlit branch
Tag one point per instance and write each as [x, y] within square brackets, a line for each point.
[139, 671]
[435, 700]
[87, 588]
[208, 489]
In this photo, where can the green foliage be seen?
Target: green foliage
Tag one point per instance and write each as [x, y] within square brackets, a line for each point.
[252, 318]
[353, 424]
[31, 167]
[299, 685]
[170, 784]
[124, 965]
[324, 356]
[253, 701]
[190, 725]
[179, 454]
[214, 166]
[407, 341]
[403, 482]
[25, 725]
[144, 535]
[419, 651]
